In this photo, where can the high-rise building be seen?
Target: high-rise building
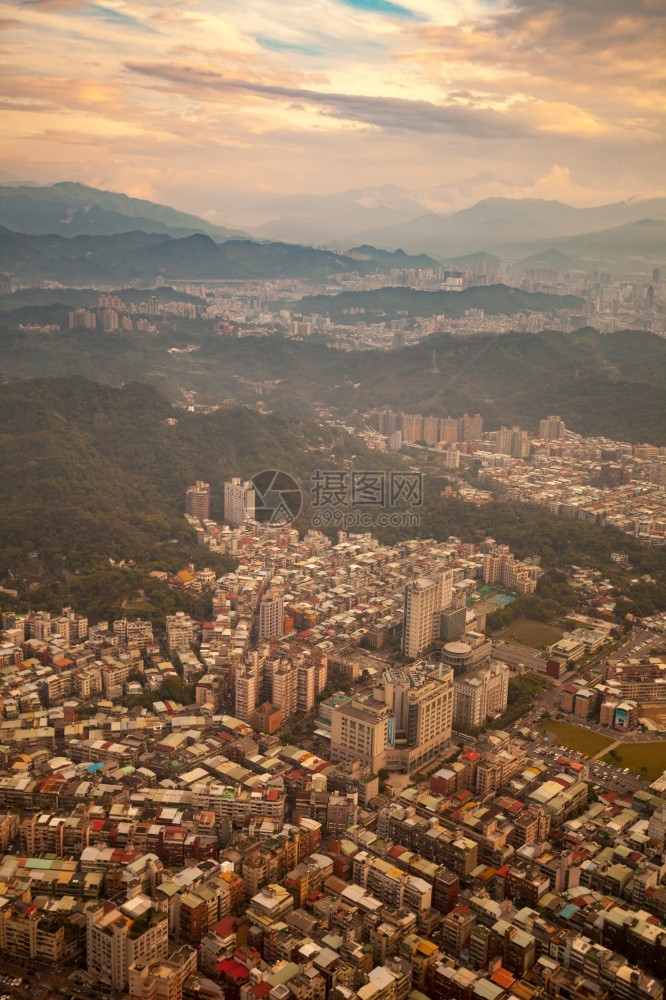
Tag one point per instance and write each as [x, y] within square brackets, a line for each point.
[501, 567]
[271, 615]
[552, 428]
[658, 473]
[239, 502]
[360, 731]
[389, 422]
[448, 430]
[457, 928]
[246, 692]
[422, 702]
[115, 941]
[82, 318]
[425, 599]
[479, 694]
[431, 430]
[197, 500]
[470, 428]
[452, 623]
[138, 632]
[181, 630]
[394, 442]
[512, 441]
[404, 724]
[412, 427]
[284, 687]
[307, 677]
[109, 318]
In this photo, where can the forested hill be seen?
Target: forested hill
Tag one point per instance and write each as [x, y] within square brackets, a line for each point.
[610, 384]
[389, 302]
[127, 256]
[91, 472]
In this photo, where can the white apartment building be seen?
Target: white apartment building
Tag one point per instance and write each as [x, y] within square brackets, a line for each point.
[181, 630]
[405, 723]
[479, 694]
[360, 731]
[114, 942]
[137, 632]
[501, 567]
[425, 598]
[271, 615]
[284, 682]
[239, 502]
[246, 693]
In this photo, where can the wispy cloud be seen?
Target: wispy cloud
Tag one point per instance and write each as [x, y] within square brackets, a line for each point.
[559, 97]
[393, 113]
[384, 7]
[277, 45]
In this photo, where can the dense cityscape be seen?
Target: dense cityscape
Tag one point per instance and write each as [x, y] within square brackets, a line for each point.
[325, 790]
[333, 500]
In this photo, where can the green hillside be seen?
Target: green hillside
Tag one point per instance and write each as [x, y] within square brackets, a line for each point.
[128, 256]
[387, 303]
[612, 384]
[91, 472]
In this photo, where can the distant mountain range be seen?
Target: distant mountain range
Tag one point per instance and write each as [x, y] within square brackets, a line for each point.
[511, 228]
[643, 241]
[497, 223]
[624, 234]
[332, 219]
[138, 255]
[390, 216]
[69, 209]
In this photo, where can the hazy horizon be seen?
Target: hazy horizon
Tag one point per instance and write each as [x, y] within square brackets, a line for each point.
[210, 109]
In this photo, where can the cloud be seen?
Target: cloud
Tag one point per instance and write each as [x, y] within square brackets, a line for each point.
[603, 55]
[455, 99]
[383, 7]
[54, 5]
[391, 113]
[117, 17]
[276, 45]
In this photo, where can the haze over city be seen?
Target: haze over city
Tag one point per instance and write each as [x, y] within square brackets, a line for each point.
[332, 500]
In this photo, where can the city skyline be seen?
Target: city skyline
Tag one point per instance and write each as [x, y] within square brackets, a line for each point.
[196, 106]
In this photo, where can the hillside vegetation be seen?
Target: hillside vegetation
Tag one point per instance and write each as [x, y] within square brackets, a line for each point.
[387, 303]
[93, 473]
[612, 384]
[135, 254]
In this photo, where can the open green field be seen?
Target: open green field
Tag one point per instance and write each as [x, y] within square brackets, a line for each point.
[648, 760]
[563, 734]
[530, 633]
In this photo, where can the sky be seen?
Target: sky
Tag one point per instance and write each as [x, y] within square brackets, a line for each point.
[212, 105]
